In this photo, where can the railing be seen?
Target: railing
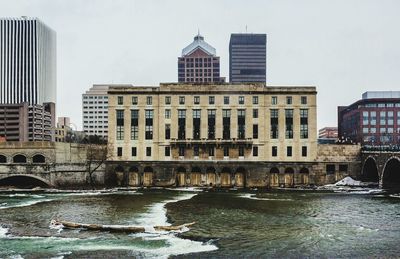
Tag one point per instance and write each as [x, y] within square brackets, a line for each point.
[381, 148]
[217, 141]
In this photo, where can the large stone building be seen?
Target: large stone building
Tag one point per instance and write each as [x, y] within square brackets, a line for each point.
[220, 135]
[199, 63]
[247, 58]
[373, 120]
[95, 111]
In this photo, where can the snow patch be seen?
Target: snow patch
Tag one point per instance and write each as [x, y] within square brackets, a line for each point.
[3, 232]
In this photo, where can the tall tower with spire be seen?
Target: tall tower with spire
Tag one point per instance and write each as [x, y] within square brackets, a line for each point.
[199, 63]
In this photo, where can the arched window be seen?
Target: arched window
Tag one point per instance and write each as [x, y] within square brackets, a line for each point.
[38, 159]
[274, 170]
[19, 159]
[304, 170]
[289, 170]
[3, 159]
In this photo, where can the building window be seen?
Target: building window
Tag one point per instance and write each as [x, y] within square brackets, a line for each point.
[365, 118]
[226, 99]
[134, 124]
[119, 151]
[196, 150]
[134, 151]
[211, 100]
[343, 168]
[167, 113]
[241, 151]
[289, 123]
[255, 99]
[255, 131]
[226, 151]
[197, 100]
[149, 100]
[167, 131]
[181, 151]
[241, 124]
[303, 151]
[382, 116]
[226, 124]
[134, 100]
[255, 113]
[241, 99]
[289, 100]
[181, 99]
[303, 123]
[274, 123]
[120, 124]
[167, 151]
[120, 100]
[149, 124]
[274, 151]
[255, 151]
[390, 118]
[211, 124]
[330, 168]
[274, 100]
[365, 130]
[196, 124]
[167, 100]
[211, 151]
[373, 118]
[289, 151]
[148, 151]
[181, 124]
[304, 100]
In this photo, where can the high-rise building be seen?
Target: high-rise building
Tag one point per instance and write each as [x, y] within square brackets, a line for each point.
[95, 111]
[373, 120]
[199, 63]
[27, 61]
[247, 58]
[24, 122]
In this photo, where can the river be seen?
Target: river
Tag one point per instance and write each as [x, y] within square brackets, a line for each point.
[229, 224]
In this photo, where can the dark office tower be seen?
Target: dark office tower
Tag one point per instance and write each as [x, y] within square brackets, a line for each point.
[198, 63]
[247, 58]
[27, 61]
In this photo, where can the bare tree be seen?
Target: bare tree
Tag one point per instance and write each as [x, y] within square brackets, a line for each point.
[97, 154]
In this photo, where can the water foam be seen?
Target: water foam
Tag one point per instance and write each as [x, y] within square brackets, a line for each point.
[25, 204]
[3, 232]
[253, 197]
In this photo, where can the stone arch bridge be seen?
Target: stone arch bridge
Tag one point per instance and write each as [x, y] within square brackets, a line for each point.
[381, 167]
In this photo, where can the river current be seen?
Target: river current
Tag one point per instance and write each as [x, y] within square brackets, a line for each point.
[229, 224]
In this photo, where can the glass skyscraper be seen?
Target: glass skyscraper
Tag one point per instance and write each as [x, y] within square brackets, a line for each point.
[247, 58]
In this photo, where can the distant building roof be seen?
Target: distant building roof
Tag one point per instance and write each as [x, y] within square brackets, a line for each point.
[380, 94]
[199, 43]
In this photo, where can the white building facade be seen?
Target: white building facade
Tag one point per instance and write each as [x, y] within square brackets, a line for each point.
[95, 111]
[27, 61]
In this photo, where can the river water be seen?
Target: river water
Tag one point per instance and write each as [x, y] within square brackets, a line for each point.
[229, 224]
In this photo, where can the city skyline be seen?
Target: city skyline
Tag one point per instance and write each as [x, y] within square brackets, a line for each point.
[307, 44]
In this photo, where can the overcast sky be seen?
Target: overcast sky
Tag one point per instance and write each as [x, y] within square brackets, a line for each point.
[342, 47]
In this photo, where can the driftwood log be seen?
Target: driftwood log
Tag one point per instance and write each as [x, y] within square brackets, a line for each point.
[116, 228]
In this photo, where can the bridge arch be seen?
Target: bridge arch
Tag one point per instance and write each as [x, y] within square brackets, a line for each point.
[391, 174]
[3, 159]
[24, 181]
[19, 158]
[38, 159]
[369, 171]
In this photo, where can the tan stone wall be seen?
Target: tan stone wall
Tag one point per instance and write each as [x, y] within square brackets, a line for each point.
[264, 142]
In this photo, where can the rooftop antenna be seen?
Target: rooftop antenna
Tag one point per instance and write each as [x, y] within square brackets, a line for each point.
[198, 31]
[246, 28]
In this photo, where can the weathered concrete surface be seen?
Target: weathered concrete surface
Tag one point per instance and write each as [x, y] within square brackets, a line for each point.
[64, 164]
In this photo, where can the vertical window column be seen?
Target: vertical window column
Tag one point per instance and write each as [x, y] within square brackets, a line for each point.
[196, 124]
[226, 124]
[134, 124]
[274, 123]
[181, 124]
[303, 123]
[241, 124]
[289, 123]
[211, 124]
[120, 124]
[149, 124]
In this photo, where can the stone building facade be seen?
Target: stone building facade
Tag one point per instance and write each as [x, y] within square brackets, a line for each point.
[220, 135]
